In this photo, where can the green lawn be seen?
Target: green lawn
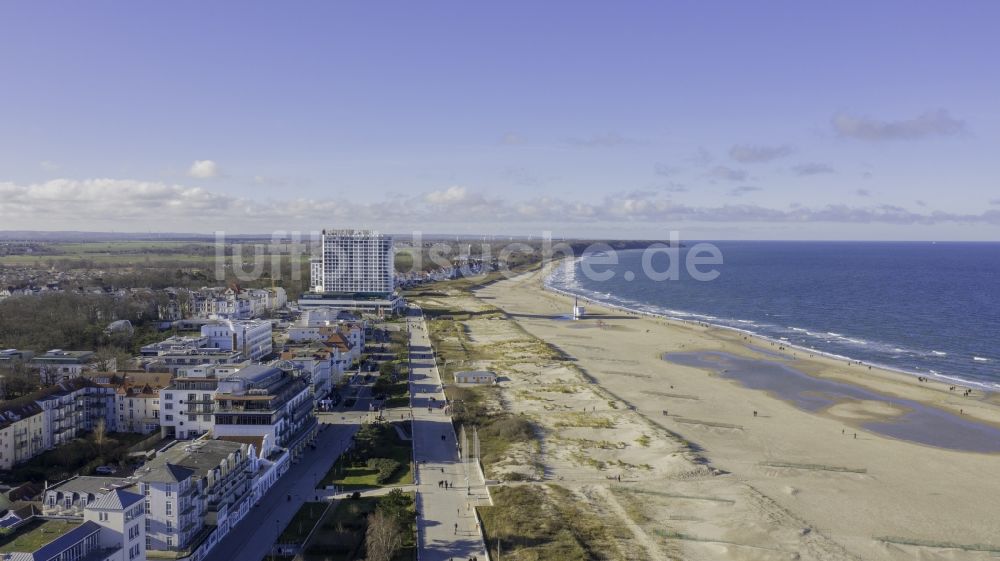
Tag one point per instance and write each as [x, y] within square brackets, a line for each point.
[36, 534]
[351, 473]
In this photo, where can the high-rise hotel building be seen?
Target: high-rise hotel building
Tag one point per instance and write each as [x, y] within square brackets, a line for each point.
[354, 262]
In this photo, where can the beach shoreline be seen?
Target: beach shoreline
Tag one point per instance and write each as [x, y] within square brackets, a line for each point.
[950, 380]
[872, 494]
[872, 377]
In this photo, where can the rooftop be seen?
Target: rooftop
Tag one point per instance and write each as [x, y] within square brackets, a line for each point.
[90, 484]
[116, 500]
[255, 373]
[187, 458]
[59, 354]
[38, 533]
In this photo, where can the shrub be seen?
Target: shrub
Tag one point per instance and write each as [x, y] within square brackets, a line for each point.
[386, 467]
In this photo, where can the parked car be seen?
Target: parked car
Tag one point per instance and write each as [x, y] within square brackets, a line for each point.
[105, 470]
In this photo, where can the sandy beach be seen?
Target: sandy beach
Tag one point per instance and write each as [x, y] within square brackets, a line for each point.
[713, 469]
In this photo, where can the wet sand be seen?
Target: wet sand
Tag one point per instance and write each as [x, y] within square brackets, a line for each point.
[904, 419]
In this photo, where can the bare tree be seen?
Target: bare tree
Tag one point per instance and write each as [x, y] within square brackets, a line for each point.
[100, 435]
[383, 537]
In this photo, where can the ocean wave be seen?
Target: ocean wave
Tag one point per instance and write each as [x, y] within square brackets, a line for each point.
[980, 359]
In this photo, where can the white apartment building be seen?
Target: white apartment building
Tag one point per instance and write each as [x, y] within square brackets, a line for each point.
[357, 262]
[174, 344]
[22, 432]
[137, 408]
[57, 364]
[236, 303]
[72, 407]
[325, 367]
[193, 484]
[267, 403]
[180, 360]
[52, 417]
[252, 337]
[113, 528]
[123, 525]
[187, 406]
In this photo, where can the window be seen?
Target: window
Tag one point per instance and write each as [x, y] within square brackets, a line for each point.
[168, 506]
[170, 541]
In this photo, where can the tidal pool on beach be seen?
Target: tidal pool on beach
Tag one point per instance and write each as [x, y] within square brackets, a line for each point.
[919, 423]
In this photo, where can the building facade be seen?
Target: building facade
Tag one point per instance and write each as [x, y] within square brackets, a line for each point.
[356, 262]
[137, 408]
[252, 338]
[73, 407]
[52, 417]
[266, 402]
[190, 487]
[22, 429]
[188, 404]
[111, 528]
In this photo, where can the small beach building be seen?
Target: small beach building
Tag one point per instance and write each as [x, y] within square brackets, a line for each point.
[475, 377]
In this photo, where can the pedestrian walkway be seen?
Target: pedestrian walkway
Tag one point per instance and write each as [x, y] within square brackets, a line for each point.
[253, 537]
[447, 527]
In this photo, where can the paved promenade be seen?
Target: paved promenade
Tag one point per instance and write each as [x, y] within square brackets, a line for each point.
[447, 528]
[252, 538]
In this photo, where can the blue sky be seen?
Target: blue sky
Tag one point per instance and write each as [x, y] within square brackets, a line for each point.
[753, 120]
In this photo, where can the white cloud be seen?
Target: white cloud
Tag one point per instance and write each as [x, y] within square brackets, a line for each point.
[204, 169]
[812, 168]
[727, 173]
[748, 153]
[743, 190]
[130, 205]
[931, 123]
[606, 140]
[701, 158]
[451, 195]
[511, 139]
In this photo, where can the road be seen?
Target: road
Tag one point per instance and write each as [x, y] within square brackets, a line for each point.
[253, 537]
[448, 527]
